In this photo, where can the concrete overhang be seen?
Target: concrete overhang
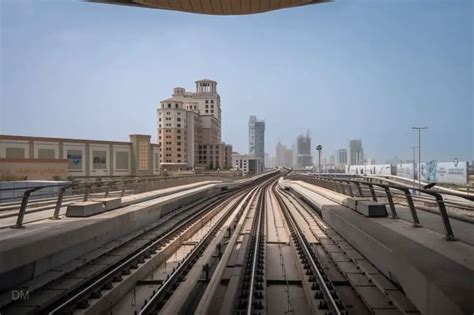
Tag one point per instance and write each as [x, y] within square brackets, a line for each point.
[214, 7]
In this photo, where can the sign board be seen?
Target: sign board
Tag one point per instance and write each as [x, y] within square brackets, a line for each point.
[444, 172]
[376, 169]
[405, 170]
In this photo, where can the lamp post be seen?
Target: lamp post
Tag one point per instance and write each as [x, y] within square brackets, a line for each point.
[419, 153]
[319, 148]
[414, 167]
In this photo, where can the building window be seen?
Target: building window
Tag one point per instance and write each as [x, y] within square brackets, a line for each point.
[207, 111]
[47, 154]
[99, 160]
[212, 101]
[121, 160]
[207, 101]
[15, 153]
[169, 106]
[175, 105]
[178, 119]
[143, 148]
[74, 158]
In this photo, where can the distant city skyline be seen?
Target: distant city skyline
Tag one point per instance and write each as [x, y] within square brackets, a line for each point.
[343, 70]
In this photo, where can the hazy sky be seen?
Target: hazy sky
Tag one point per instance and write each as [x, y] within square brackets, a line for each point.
[346, 69]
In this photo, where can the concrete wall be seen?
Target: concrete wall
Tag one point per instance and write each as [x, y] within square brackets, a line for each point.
[33, 169]
[83, 157]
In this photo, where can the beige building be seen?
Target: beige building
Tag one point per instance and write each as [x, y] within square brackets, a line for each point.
[45, 158]
[247, 164]
[189, 129]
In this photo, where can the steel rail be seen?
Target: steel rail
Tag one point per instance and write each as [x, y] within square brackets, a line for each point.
[150, 307]
[256, 246]
[307, 252]
[108, 276]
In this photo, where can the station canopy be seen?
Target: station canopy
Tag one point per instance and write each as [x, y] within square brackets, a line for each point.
[215, 7]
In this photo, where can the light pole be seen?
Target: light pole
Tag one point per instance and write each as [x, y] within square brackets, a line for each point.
[319, 148]
[414, 167]
[419, 153]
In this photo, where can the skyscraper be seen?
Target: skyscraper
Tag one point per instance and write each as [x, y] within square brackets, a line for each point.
[257, 137]
[342, 157]
[283, 155]
[303, 146]
[356, 152]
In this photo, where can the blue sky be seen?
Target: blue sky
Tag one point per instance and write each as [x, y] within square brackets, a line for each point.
[346, 69]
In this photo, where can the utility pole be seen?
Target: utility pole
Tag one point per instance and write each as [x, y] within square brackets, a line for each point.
[419, 153]
[414, 168]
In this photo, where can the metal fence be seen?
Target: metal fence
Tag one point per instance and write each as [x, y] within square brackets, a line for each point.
[349, 185]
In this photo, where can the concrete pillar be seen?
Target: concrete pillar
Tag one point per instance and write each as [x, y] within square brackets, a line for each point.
[111, 160]
[136, 141]
[87, 162]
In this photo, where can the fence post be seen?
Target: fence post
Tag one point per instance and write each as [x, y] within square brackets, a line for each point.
[359, 189]
[137, 185]
[107, 191]
[124, 186]
[342, 188]
[86, 194]
[24, 203]
[416, 221]
[445, 217]
[59, 202]
[372, 192]
[351, 193]
[390, 202]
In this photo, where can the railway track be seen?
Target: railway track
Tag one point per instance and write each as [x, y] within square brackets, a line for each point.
[289, 261]
[86, 283]
[253, 250]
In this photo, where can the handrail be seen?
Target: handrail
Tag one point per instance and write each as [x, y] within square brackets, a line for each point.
[24, 203]
[28, 187]
[416, 222]
[88, 187]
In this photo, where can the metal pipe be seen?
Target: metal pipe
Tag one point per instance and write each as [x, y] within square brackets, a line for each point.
[359, 189]
[351, 193]
[24, 203]
[390, 202]
[86, 194]
[443, 213]
[372, 192]
[59, 202]
[416, 221]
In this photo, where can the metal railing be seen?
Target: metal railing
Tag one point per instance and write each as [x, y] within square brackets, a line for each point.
[136, 185]
[345, 185]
